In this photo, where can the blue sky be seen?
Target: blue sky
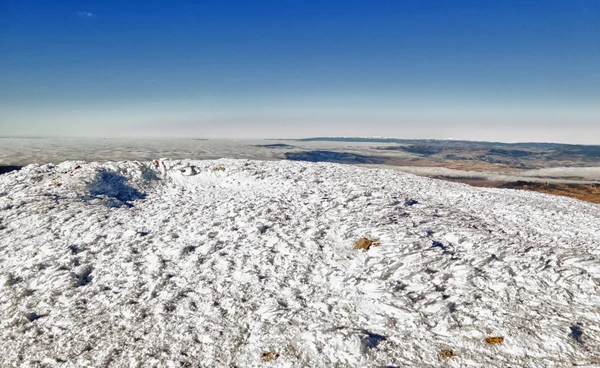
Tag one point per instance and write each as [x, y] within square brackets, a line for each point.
[502, 70]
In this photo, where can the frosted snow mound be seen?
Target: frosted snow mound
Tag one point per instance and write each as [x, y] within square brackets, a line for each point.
[134, 264]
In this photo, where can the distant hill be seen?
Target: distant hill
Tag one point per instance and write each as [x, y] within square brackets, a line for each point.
[526, 155]
[453, 142]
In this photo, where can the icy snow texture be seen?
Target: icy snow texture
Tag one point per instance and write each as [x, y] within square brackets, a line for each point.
[134, 265]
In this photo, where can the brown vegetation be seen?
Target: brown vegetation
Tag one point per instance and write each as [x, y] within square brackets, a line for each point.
[447, 353]
[220, 168]
[584, 192]
[270, 356]
[494, 340]
[365, 243]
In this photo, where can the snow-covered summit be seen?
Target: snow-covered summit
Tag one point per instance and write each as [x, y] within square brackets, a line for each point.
[238, 263]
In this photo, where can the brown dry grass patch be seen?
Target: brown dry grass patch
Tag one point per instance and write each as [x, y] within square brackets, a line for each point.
[584, 192]
[220, 168]
[366, 243]
[447, 353]
[269, 356]
[494, 340]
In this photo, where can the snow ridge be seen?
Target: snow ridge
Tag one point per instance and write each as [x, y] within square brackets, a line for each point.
[244, 263]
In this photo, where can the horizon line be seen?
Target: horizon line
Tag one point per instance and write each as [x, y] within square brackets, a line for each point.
[354, 139]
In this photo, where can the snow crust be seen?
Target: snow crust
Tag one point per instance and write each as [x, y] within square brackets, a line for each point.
[184, 264]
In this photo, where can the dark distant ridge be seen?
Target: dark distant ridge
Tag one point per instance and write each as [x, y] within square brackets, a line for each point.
[276, 145]
[337, 157]
[445, 142]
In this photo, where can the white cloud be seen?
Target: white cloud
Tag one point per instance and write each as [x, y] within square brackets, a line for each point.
[85, 14]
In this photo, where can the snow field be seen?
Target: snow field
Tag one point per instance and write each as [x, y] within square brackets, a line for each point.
[177, 264]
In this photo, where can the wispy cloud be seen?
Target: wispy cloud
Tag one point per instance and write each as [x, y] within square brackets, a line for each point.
[85, 14]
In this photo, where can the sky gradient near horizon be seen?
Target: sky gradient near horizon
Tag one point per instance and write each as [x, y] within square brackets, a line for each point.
[465, 69]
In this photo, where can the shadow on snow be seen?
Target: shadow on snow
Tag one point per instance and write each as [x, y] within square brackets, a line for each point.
[114, 188]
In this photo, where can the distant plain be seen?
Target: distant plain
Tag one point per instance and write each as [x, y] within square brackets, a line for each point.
[570, 170]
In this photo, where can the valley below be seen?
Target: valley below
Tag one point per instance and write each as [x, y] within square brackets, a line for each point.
[559, 169]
